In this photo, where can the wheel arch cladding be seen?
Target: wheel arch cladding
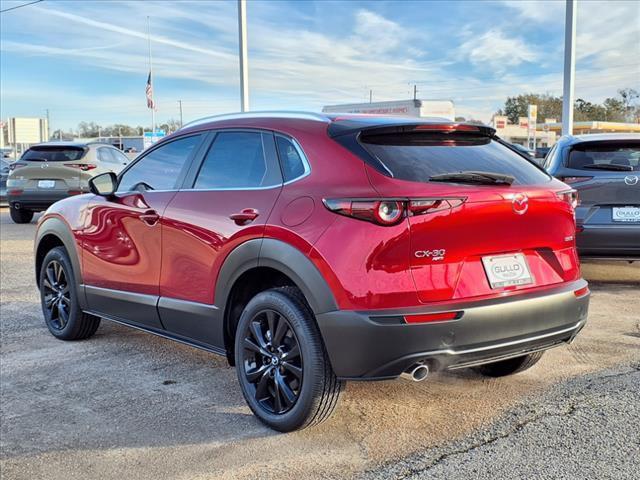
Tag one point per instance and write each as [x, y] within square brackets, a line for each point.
[52, 233]
[268, 263]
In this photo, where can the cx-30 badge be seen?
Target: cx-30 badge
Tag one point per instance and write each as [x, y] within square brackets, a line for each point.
[520, 203]
[631, 180]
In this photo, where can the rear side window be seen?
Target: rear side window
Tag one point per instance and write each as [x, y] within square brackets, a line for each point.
[53, 154]
[160, 168]
[238, 160]
[419, 156]
[293, 166]
[623, 156]
[106, 155]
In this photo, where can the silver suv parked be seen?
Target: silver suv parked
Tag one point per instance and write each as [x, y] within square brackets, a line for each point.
[605, 170]
[49, 172]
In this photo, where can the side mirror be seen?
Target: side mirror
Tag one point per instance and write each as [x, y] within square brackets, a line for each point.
[104, 184]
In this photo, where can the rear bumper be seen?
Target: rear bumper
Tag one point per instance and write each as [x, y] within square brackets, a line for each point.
[36, 199]
[613, 240]
[378, 345]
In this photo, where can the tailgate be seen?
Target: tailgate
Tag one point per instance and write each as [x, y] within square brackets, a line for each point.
[448, 247]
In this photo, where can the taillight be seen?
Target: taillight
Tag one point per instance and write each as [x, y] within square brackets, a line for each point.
[581, 292]
[14, 166]
[82, 166]
[382, 212]
[388, 212]
[571, 180]
[569, 196]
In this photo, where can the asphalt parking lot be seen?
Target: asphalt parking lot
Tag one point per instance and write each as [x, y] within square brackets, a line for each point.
[126, 404]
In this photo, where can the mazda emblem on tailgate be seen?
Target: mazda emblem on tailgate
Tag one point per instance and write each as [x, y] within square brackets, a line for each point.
[520, 203]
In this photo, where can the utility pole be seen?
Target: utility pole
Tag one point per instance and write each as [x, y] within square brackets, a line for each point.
[415, 92]
[569, 66]
[48, 134]
[180, 105]
[370, 96]
[242, 44]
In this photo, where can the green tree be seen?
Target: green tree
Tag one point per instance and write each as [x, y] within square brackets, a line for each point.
[548, 106]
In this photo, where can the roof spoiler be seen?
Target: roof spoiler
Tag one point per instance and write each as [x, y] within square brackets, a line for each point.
[345, 126]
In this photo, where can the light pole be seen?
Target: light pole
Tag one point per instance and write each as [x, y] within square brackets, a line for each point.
[242, 44]
[569, 66]
[180, 104]
[48, 134]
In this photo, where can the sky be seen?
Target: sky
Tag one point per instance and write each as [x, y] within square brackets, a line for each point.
[88, 60]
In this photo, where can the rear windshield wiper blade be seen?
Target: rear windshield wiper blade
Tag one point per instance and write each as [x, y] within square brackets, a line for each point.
[609, 166]
[483, 178]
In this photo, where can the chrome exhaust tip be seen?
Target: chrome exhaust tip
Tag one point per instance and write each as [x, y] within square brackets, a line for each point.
[416, 372]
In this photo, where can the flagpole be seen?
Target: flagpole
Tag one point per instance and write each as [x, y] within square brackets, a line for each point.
[153, 110]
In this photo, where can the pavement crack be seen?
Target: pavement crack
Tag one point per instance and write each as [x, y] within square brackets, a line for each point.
[461, 451]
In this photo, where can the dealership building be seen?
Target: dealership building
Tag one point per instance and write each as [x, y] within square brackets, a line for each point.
[402, 108]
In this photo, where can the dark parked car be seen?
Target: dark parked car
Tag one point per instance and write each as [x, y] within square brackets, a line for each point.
[314, 249]
[541, 152]
[524, 150]
[605, 170]
[4, 174]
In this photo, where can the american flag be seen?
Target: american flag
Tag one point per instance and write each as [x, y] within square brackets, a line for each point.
[149, 91]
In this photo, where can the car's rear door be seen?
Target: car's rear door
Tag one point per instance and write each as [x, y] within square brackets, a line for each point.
[122, 237]
[226, 201]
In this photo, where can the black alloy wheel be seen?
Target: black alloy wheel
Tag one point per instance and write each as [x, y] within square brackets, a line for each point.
[273, 362]
[62, 312]
[57, 295]
[281, 363]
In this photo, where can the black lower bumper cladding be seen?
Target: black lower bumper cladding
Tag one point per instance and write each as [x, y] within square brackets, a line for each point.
[371, 345]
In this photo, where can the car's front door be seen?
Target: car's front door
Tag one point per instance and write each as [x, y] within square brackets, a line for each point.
[226, 200]
[121, 237]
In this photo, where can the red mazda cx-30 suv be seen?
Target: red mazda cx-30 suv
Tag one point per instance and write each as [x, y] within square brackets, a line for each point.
[313, 249]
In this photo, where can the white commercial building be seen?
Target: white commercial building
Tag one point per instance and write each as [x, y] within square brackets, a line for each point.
[401, 108]
[21, 132]
[519, 133]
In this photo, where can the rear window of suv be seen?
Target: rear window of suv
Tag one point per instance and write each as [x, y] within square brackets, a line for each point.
[593, 156]
[417, 156]
[53, 154]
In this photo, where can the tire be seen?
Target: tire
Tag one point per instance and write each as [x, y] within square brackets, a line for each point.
[274, 322]
[59, 299]
[510, 366]
[21, 215]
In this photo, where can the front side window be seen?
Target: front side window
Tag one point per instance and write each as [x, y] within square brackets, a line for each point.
[161, 168]
[237, 160]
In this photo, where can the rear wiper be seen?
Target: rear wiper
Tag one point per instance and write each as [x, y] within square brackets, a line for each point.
[609, 166]
[482, 178]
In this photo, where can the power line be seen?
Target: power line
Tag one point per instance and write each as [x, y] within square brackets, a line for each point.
[20, 6]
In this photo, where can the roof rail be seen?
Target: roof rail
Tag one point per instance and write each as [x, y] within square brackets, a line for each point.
[261, 114]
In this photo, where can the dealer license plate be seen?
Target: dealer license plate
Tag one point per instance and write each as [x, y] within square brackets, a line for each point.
[507, 270]
[46, 183]
[626, 214]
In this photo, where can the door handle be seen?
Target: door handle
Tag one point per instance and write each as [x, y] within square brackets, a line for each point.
[150, 217]
[247, 215]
